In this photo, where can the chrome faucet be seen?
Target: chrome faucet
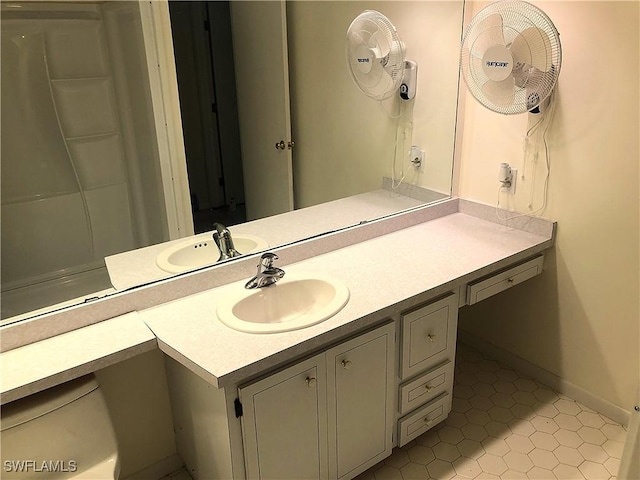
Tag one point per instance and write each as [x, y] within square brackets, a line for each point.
[222, 237]
[267, 273]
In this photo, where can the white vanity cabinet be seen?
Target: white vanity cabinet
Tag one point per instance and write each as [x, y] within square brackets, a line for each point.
[330, 416]
[427, 355]
[341, 410]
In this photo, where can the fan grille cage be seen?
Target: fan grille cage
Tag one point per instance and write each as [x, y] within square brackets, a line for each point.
[541, 47]
[375, 31]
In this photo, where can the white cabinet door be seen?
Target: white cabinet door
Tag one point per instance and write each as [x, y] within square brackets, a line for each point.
[331, 416]
[360, 388]
[284, 423]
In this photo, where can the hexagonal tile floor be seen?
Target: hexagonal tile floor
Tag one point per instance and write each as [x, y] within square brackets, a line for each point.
[506, 425]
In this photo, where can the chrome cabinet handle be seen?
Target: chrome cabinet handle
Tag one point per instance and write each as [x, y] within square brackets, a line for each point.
[429, 388]
[311, 381]
[346, 364]
[432, 337]
[427, 420]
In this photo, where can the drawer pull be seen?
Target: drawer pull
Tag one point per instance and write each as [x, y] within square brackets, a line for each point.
[509, 280]
[311, 381]
[428, 420]
[432, 337]
[429, 388]
[346, 364]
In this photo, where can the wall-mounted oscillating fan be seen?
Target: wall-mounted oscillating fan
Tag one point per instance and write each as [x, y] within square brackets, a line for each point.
[375, 55]
[511, 57]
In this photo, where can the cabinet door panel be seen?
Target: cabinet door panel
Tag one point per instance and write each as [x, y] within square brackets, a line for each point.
[360, 406]
[284, 422]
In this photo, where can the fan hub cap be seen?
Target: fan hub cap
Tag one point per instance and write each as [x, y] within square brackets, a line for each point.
[497, 63]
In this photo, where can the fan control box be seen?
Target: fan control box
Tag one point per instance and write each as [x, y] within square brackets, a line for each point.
[409, 80]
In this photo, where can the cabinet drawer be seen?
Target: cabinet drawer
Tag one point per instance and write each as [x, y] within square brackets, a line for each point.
[418, 422]
[429, 335]
[426, 387]
[504, 280]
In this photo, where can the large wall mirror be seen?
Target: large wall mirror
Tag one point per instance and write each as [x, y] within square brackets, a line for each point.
[86, 170]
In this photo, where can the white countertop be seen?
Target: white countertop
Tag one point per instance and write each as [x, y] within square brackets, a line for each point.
[137, 267]
[429, 252]
[35, 367]
[397, 270]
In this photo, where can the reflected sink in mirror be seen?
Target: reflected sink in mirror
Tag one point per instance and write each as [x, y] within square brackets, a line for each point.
[201, 250]
[291, 304]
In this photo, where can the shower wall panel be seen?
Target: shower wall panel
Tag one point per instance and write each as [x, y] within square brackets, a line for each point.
[71, 172]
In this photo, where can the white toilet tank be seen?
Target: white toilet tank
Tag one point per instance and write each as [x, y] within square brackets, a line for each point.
[63, 432]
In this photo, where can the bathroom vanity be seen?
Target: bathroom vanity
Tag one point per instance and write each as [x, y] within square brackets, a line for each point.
[337, 396]
[338, 410]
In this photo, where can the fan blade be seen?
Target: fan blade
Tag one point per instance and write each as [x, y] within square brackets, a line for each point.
[524, 74]
[378, 44]
[490, 33]
[499, 93]
[539, 86]
[532, 47]
[527, 76]
[393, 62]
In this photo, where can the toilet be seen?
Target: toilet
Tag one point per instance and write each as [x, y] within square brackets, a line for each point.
[63, 432]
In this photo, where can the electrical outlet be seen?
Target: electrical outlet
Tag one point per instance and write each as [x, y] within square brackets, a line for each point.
[507, 176]
[416, 157]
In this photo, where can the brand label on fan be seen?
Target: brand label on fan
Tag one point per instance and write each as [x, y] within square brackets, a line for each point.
[497, 63]
[364, 58]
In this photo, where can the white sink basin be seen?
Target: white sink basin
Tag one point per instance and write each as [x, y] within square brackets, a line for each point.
[290, 304]
[201, 250]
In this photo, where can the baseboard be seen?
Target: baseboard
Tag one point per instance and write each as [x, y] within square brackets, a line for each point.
[553, 381]
[158, 470]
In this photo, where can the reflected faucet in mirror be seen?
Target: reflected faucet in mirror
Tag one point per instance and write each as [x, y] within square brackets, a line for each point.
[267, 274]
[224, 242]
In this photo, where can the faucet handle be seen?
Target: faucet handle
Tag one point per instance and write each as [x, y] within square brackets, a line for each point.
[267, 274]
[267, 259]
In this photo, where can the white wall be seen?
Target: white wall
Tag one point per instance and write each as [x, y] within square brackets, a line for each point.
[345, 140]
[580, 319]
